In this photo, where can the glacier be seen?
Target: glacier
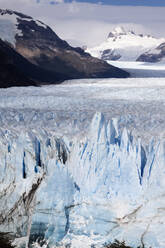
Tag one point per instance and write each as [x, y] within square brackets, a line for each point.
[141, 69]
[88, 183]
[103, 187]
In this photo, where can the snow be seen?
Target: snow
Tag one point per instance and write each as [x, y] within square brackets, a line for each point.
[9, 28]
[155, 51]
[119, 30]
[41, 24]
[9, 22]
[127, 44]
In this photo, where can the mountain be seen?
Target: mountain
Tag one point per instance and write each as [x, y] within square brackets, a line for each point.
[16, 70]
[124, 45]
[10, 73]
[40, 45]
[153, 55]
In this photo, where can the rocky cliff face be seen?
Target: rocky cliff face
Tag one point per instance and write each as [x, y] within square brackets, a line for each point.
[42, 47]
[82, 193]
[10, 68]
[16, 70]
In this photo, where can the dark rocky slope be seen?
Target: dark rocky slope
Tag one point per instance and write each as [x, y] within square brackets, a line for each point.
[41, 46]
[10, 73]
[15, 70]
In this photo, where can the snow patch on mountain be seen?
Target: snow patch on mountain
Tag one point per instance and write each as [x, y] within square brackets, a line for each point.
[41, 24]
[9, 28]
[124, 45]
[9, 25]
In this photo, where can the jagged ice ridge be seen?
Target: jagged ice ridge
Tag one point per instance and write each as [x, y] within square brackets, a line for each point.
[84, 192]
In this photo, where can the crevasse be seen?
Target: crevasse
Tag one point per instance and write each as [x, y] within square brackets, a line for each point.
[82, 191]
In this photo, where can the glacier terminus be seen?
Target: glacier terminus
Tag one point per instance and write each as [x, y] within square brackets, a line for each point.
[90, 178]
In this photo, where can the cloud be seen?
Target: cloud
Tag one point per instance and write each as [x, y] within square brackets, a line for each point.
[52, 2]
[89, 24]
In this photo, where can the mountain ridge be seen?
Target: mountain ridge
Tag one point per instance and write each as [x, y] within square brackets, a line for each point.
[42, 47]
[124, 45]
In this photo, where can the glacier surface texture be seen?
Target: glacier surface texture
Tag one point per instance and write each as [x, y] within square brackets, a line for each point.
[100, 180]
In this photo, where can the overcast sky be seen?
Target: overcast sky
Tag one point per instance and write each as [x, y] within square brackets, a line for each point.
[89, 23]
[126, 2]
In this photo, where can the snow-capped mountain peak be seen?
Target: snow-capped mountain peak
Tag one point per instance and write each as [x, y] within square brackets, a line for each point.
[121, 31]
[117, 31]
[124, 45]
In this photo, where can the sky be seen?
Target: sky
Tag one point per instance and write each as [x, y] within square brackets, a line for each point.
[126, 2]
[89, 23]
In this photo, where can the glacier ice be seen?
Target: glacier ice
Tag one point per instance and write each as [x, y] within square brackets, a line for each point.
[82, 191]
[138, 104]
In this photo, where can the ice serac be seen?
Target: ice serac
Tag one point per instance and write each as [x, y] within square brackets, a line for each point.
[84, 191]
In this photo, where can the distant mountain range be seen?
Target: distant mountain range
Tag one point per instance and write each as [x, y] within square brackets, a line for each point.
[37, 55]
[128, 46]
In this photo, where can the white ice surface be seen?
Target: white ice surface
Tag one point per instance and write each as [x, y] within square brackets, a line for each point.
[141, 69]
[138, 103]
[152, 67]
[111, 185]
